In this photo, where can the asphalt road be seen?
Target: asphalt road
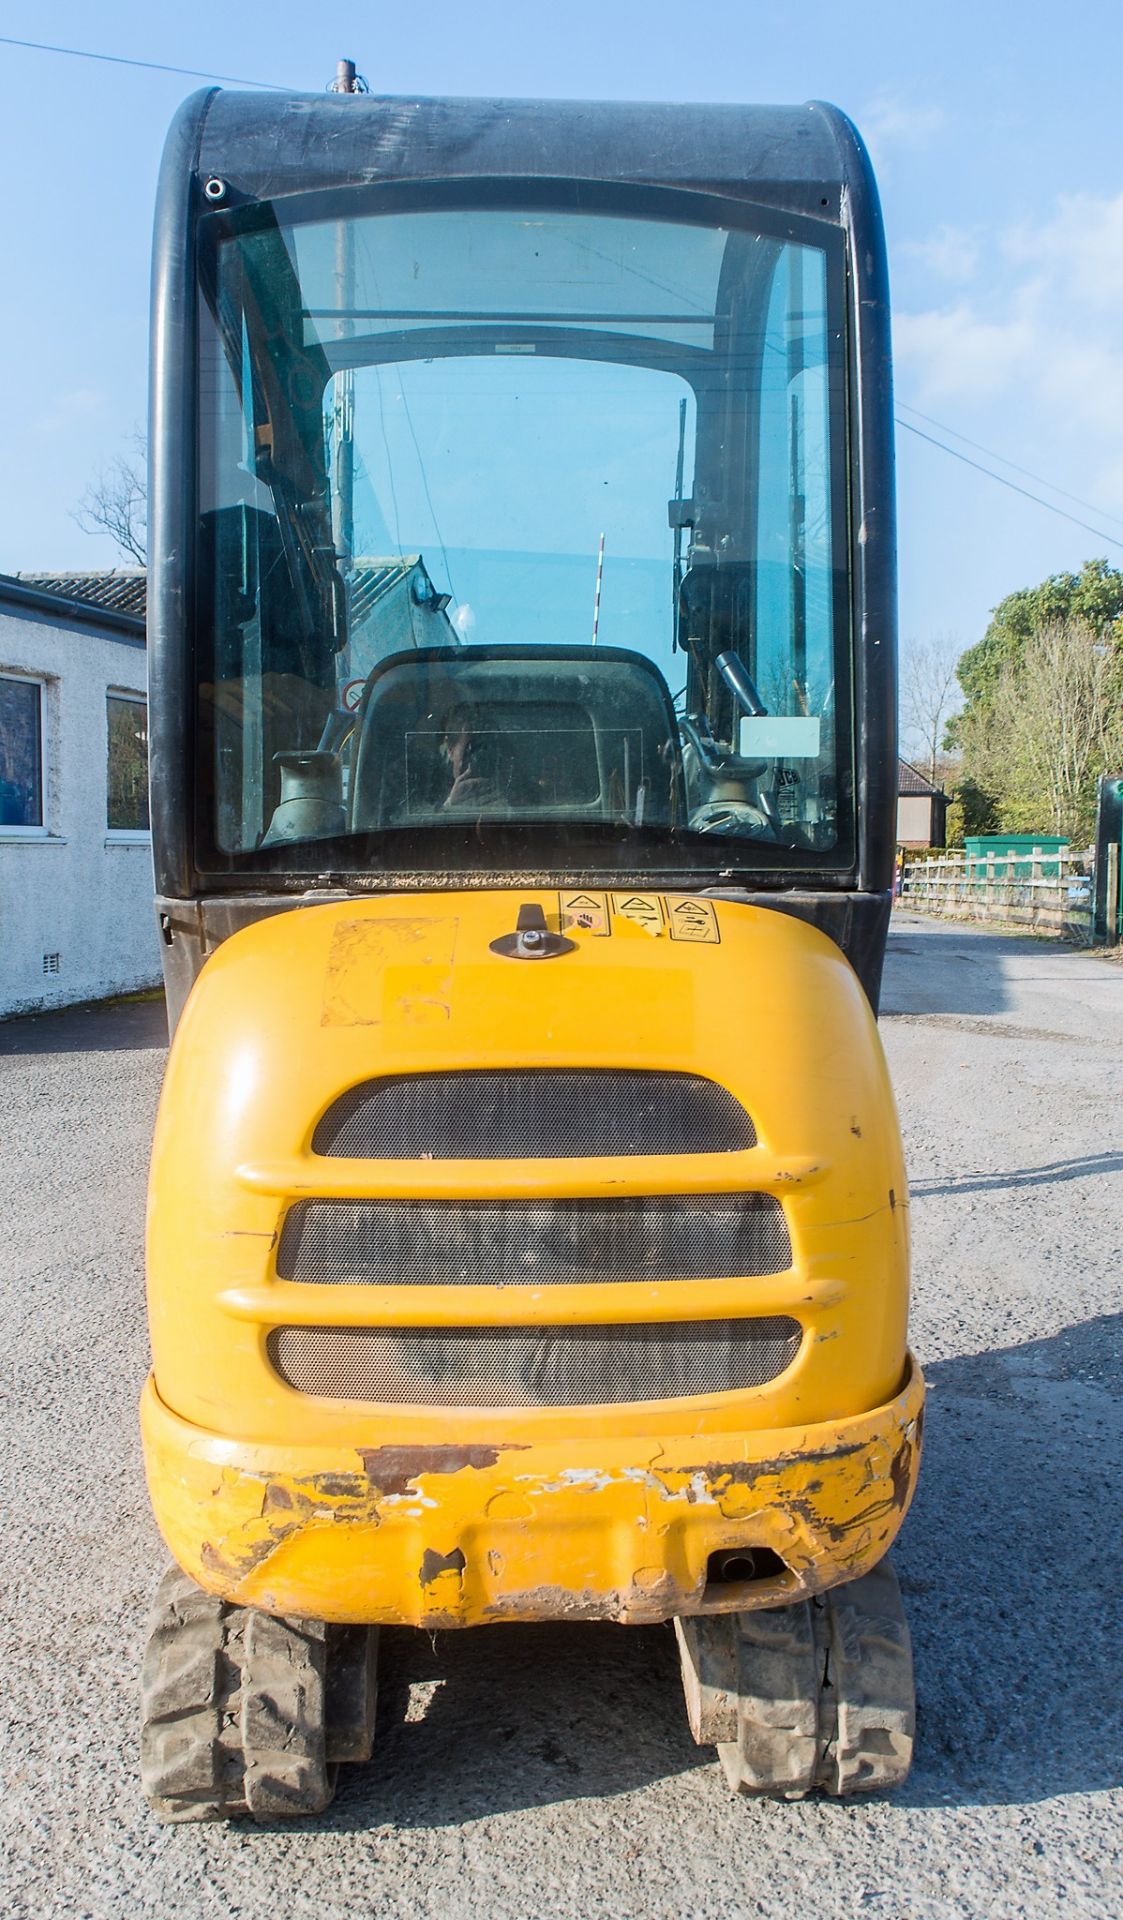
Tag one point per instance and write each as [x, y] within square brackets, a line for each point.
[525, 1771]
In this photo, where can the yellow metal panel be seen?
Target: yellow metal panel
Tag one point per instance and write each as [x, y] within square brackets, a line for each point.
[749, 1172]
[459, 1533]
[291, 1304]
[292, 1012]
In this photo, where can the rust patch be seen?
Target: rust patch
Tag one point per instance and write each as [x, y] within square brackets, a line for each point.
[745, 1473]
[349, 1499]
[286, 1507]
[396, 1469]
[890, 1493]
[277, 1497]
[236, 1569]
[554, 1603]
[335, 1486]
[434, 1563]
[900, 1472]
[657, 1600]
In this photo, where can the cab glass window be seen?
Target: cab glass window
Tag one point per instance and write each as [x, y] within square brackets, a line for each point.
[522, 533]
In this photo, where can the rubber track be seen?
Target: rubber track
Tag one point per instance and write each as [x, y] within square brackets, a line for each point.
[868, 1703]
[232, 1710]
[815, 1696]
[776, 1749]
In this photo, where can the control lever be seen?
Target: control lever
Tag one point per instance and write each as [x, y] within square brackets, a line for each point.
[735, 674]
[737, 678]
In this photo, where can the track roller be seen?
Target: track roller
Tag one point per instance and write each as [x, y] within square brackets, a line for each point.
[818, 1695]
[245, 1713]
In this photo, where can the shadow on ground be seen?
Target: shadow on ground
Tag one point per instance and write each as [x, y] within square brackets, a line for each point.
[1011, 1562]
[941, 969]
[1053, 1173]
[510, 1717]
[108, 1026]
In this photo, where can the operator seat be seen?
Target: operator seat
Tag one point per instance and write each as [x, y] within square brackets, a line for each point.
[448, 734]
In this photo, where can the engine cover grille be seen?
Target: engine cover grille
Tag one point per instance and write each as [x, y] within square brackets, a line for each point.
[530, 1113]
[533, 1366]
[533, 1243]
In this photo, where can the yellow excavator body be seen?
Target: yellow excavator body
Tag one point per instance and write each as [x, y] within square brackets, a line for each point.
[343, 1424]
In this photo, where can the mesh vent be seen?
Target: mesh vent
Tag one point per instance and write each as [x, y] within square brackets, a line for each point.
[529, 1113]
[533, 1243]
[534, 1366]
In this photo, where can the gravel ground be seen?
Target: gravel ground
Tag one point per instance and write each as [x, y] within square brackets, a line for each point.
[525, 1771]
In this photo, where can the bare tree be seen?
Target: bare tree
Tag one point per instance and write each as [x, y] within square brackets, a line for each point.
[929, 696]
[116, 502]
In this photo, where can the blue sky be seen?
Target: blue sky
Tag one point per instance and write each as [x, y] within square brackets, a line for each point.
[994, 129]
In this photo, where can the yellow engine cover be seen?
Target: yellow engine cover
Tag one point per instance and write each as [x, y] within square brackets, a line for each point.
[350, 1509]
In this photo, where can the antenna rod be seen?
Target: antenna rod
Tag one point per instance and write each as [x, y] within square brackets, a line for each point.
[596, 598]
[342, 477]
[676, 567]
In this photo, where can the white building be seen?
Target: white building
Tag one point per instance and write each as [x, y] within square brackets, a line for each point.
[76, 890]
[76, 913]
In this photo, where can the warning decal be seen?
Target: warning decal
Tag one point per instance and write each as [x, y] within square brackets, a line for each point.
[584, 913]
[684, 916]
[693, 919]
[645, 909]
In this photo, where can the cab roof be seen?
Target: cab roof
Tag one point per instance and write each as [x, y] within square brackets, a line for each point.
[795, 158]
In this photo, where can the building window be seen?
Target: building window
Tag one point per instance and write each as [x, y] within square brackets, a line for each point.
[127, 774]
[22, 799]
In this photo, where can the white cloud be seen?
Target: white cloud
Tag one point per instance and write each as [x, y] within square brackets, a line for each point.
[1039, 332]
[951, 253]
[890, 124]
[1080, 247]
[1083, 378]
[955, 352]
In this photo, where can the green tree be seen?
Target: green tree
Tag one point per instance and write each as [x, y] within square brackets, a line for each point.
[1043, 710]
[1092, 598]
[972, 810]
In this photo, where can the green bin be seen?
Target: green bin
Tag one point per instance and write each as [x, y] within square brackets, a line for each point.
[1022, 848]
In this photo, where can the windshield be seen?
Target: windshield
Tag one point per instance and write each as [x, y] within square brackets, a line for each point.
[522, 538]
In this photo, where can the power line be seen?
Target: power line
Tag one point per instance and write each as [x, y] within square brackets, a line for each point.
[150, 66]
[1027, 472]
[1003, 482]
[272, 86]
